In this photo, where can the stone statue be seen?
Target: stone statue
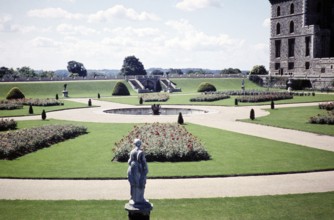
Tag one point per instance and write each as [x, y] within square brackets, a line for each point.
[138, 207]
[137, 172]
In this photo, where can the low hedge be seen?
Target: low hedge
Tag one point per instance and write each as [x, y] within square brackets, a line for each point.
[265, 98]
[18, 143]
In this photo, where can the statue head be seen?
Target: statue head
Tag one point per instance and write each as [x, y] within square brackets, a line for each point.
[137, 142]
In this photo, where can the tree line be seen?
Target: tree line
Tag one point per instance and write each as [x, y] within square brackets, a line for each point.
[131, 66]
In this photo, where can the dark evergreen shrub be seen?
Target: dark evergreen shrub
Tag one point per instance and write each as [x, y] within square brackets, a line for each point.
[89, 102]
[235, 101]
[15, 93]
[252, 114]
[57, 97]
[180, 119]
[272, 104]
[120, 89]
[43, 115]
[31, 110]
[141, 100]
[98, 95]
[206, 87]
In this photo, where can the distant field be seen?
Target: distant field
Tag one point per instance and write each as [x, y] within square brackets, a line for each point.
[90, 89]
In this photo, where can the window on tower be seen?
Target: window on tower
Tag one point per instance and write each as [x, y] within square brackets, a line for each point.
[278, 48]
[291, 49]
[278, 28]
[292, 8]
[278, 11]
[292, 27]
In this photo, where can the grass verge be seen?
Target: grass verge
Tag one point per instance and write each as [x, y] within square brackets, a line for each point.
[303, 206]
[89, 156]
[295, 118]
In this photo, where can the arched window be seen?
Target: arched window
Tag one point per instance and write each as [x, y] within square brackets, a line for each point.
[278, 11]
[278, 28]
[292, 8]
[292, 27]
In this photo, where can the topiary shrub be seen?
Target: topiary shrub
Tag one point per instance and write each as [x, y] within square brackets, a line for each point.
[272, 104]
[31, 110]
[206, 87]
[89, 102]
[120, 89]
[235, 102]
[180, 119]
[252, 114]
[141, 100]
[43, 115]
[57, 97]
[15, 93]
[98, 95]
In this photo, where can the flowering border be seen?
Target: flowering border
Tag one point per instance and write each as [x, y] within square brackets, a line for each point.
[162, 142]
[18, 143]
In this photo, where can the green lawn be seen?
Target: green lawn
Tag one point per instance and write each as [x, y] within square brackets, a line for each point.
[304, 206]
[89, 156]
[76, 89]
[295, 118]
[184, 99]
[38, 109]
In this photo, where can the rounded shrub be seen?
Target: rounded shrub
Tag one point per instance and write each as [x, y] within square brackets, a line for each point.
[120, 89]
[206, 87]
[43, 115]
[15, 93]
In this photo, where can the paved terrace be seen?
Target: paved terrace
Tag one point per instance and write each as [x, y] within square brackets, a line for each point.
[217, 117]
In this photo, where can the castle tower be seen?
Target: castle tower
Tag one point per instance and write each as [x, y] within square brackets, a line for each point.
[302, 37]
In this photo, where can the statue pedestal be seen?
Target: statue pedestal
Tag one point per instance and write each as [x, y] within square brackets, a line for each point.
[140, 211]
[65, 93]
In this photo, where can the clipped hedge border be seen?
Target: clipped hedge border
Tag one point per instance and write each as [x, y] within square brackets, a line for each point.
[210, 97]
[15, 144]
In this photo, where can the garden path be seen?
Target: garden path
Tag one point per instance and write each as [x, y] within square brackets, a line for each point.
[218, 117]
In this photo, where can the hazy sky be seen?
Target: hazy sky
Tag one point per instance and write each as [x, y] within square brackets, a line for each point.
[215, 34]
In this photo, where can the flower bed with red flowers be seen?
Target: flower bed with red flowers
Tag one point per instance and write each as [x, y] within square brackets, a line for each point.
[18, 143]
[162, 142]
[210, 97]
[329, 106]
[6, 124]
[10, 105]
[154, 97]
[18, 103]
[265, 97]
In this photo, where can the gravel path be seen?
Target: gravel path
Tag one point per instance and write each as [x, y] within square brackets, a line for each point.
[217, 117]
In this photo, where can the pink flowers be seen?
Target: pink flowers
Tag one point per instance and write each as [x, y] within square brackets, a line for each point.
[162, 142]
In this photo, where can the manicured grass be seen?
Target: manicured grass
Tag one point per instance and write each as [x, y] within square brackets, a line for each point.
[303, 206]
[89, 156]
[38, 109]
[221, 84]
[76, 89]
[295, 118]
[184, 99]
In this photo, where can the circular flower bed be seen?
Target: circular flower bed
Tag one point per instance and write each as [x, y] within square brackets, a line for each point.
[162, 142]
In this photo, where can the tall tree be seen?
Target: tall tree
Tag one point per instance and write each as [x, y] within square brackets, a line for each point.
[259, 70]
[76, 68]
[26, 72]
[132, 66]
